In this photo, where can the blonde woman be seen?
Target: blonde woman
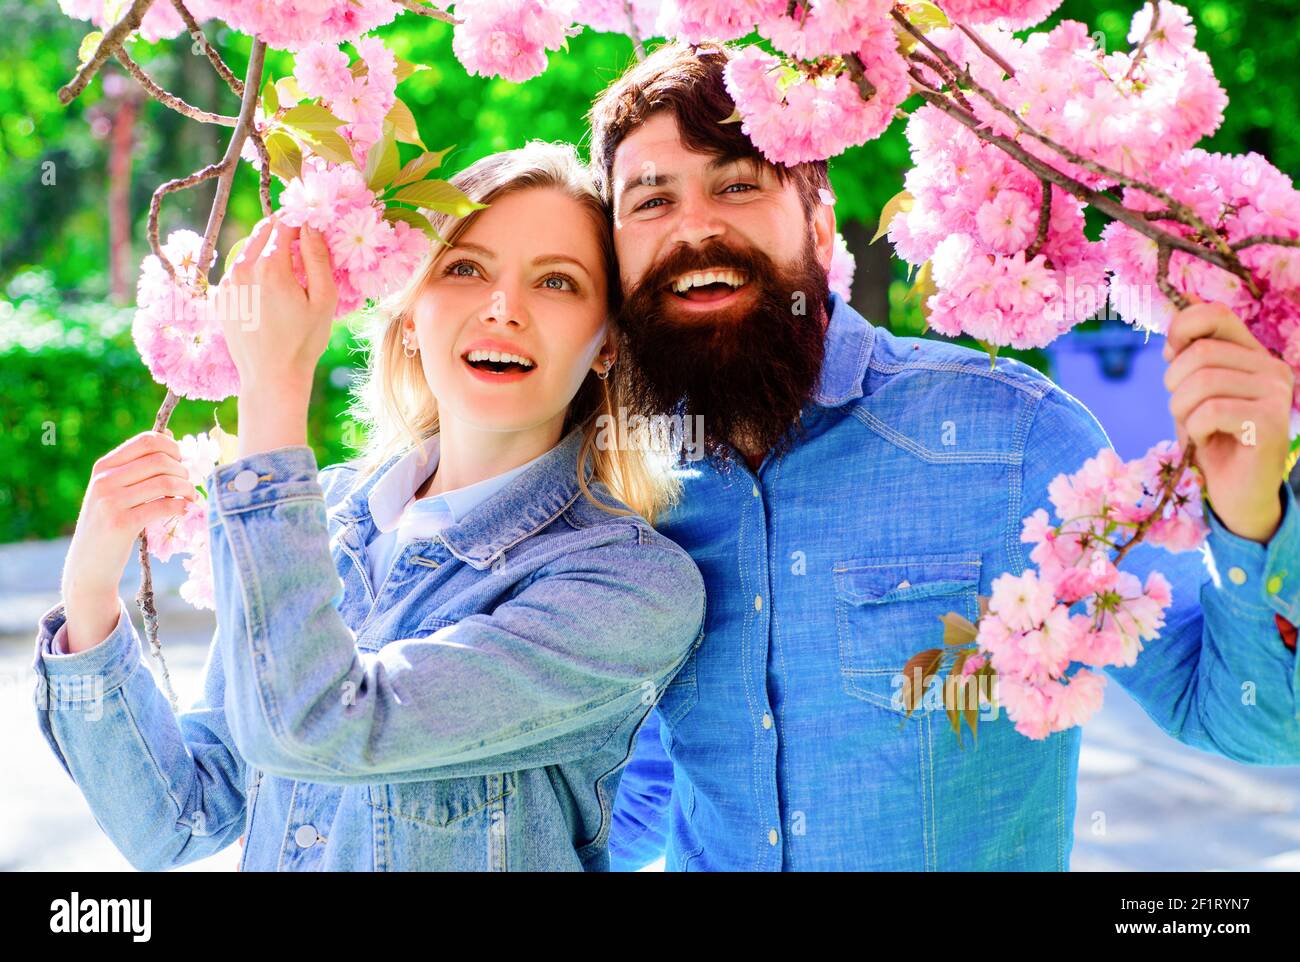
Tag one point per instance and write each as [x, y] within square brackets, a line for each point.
[437, 656]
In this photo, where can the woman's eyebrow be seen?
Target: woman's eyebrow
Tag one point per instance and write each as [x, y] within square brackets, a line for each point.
[472, 248]
[561, 259]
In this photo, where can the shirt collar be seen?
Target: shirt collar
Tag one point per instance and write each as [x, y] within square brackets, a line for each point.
[392, 493]
[540, 492]
[849, 340]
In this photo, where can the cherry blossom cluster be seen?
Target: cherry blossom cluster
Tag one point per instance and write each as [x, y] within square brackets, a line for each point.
[187, 533]
[1029, 632]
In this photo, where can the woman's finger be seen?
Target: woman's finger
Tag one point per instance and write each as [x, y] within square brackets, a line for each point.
[316, 261]
[159, 486]
[141, 444]
[252, 249]
[275, 257]
[146, 466]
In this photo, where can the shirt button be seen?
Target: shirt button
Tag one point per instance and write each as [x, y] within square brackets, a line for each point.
[758, 602]
[1274, 584]
[767, 720]
[771, 836]
[305, 836]
[245, 480]
[1236, 575]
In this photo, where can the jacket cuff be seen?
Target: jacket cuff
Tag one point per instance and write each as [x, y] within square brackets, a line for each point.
[1259, 578]
[264, 479]
[84, 676]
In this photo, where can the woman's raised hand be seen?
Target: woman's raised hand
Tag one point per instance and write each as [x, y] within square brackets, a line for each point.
[140, 481]
[277, 345]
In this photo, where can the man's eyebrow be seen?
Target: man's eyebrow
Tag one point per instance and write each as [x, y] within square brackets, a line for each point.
[667, 180]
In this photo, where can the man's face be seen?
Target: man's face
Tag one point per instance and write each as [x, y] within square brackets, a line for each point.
[667, 195]
[724, 283]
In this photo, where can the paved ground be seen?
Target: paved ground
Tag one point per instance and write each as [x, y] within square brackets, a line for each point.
[1144, 802]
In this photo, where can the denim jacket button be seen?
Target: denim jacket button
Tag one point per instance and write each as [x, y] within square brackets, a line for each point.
[245, 480]
[305, 836]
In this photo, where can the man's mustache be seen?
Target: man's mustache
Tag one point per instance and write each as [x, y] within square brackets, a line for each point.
[686, 260]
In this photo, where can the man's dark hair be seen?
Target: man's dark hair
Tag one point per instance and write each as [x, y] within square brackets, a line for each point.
[687, 81]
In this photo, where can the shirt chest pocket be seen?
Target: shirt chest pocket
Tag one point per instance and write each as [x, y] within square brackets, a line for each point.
[888, 609]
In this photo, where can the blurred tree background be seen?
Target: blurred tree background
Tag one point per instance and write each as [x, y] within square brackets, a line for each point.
[75, 184]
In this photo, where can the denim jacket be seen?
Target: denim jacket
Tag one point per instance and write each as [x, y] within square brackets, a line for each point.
[473, 712]
[784, 743]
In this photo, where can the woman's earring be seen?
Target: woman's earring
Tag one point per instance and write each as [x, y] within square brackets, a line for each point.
[605, 373]
[407, 347]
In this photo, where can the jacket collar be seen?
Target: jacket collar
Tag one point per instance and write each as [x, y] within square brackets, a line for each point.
[530, 502]
[849, 341]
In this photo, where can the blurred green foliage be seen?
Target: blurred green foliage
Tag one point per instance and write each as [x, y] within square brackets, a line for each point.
[72, 383]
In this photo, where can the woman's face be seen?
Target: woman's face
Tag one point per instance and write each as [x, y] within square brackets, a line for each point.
[526, 278]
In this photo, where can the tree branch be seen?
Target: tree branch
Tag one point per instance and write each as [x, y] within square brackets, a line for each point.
[109, 43]
[196, 32]
[1044, 221]
[433, 13]
[169, 99]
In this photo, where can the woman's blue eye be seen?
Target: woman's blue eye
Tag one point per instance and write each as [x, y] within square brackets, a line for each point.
[561, 279]
[455, 269]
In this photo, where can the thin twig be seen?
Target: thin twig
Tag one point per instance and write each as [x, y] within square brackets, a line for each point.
[858, 74]
[1044, 221]
[1170, 485]
[109, 43]
[1141, 51]
[264, 156]
[1104, 203]
[1166, 286]
[433, 13]
[225, 172]
[637, 46]
[155, 208]
[196, 32]
[168, 99]
[1275, 239]
[987, 50]
[1188, 215]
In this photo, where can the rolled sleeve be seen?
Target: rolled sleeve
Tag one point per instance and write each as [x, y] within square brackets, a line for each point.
[1254, 576]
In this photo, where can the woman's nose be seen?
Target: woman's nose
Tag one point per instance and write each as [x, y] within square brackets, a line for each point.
[504, 306]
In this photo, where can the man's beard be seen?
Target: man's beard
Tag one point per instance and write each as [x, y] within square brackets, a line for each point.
[747, 368]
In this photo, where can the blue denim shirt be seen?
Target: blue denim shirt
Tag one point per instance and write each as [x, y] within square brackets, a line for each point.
[782, 743]
[473, 711]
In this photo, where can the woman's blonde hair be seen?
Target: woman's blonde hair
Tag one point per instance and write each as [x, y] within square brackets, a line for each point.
[393, 400]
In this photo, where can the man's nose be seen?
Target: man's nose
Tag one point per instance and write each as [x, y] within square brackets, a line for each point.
[697, 222]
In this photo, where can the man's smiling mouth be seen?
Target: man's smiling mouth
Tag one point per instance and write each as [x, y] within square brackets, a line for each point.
[708, 285]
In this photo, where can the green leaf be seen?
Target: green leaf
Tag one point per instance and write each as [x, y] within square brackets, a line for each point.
[382, 163]
[89, 44]
[414, 218]
[329, 144]
[438, 195]
[287, 89]
[925, 16]
[270, 99]
[403, 122]
[918, 671]
[957, 630]
[232, 254]
[735, 118]
[420, 167]
[900, 203]
[286, 156]
[311, 118]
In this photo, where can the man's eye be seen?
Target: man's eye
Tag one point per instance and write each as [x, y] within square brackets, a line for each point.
[562, 282]
[652, 200]
[747, 187]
